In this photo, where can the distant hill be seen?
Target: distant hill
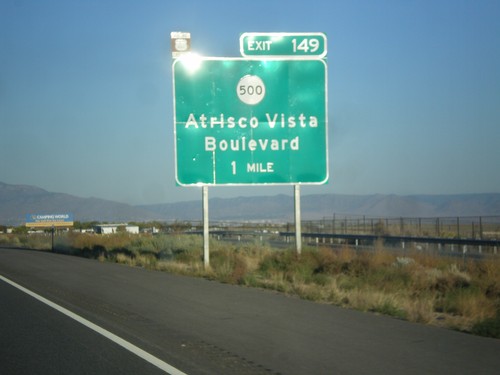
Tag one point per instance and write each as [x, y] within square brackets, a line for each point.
[18, 200]
[238, 209]
[280, 207]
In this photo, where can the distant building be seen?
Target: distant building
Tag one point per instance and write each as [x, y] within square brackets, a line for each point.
[152, 230]
[134, 229]
[106, 228]
[86, 230]
[113, 228]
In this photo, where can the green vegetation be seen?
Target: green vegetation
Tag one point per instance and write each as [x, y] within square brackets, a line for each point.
[20, 238]
[417, 287]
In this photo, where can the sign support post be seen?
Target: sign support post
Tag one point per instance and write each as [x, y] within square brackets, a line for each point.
[206, 250]
[53, 229]
[298, 227]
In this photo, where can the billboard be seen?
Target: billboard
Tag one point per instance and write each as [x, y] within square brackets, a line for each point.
[49, 220]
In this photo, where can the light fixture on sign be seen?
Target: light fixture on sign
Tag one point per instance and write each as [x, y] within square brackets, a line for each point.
[191, 61]
[180, 43]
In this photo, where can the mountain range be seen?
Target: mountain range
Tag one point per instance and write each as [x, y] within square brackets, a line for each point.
[18, 200]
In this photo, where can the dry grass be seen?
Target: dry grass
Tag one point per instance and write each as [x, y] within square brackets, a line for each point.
[418, 287]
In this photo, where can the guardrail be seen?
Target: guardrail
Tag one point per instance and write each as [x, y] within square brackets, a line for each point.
[364, 239]
[442, 243]
[400, 239]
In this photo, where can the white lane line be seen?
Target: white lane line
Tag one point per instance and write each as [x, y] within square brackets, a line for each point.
[118, 340]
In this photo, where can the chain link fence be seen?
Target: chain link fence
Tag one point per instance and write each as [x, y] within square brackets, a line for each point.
[471, 227]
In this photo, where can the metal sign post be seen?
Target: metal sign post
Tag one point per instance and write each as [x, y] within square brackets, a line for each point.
[206, 234]
[52, 246]
[298, 220]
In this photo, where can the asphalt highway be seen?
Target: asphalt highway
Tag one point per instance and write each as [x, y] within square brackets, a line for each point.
[36, 339]
[203, 327]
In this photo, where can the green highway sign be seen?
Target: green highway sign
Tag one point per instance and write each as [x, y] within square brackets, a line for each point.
[248, 121]
[297, 45]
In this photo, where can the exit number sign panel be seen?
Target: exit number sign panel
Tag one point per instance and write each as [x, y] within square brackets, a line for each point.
[298, 45]
[245, 121]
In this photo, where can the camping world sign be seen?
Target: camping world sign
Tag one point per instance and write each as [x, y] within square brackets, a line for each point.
[49, 220]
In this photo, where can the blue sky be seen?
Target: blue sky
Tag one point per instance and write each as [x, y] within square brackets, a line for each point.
[86, 93]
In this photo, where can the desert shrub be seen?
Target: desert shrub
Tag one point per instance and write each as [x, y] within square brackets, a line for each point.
[486, 274]
[273, 262]
[389, 278]
[488, 327]
[142, 245]
[10, 240]
[327, 262]
[165, 246]
[114, 253]
[146, 261]
[419, 308]
[302, 269]
[388, 307]
[307, 291]
[90, 243]
[188, 257]
[124, 259]
[450, 280]
[37, 241]
[321, 279]
[468, 302]
[240, 270]
[80, 240]
[305, 268]
[380, 257]
[97, 251]
[184, 250]
[346, 283]
[161, 246]
[229, 265]
[357, 267]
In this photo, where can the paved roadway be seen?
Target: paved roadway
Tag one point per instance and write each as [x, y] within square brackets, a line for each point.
[36, 339]
[204, 327]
